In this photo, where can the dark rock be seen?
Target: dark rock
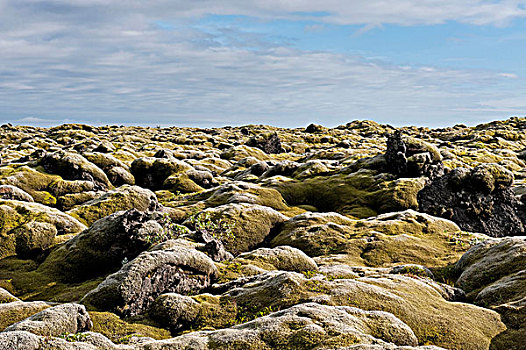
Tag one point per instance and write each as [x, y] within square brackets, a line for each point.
[478, 200]
[410, 157]
[270, 144]
[132, 289]
[101, 248]
[214, 248]
[314, 128]
[152, 172]
[73, 166]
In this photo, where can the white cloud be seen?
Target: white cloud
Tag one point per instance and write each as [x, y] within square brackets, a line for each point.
[107, 60]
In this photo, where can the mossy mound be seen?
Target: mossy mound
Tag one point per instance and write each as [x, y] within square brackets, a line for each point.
[118, 330]
[122, 198]
[29, 229]
[359, 194]
[386, 240]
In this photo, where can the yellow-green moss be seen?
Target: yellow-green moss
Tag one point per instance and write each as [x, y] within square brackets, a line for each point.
[117, 330]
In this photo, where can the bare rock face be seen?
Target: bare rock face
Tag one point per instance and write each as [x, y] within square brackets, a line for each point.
[478, 200]
[411, 157]
[57, 320]
[132, 289]
[268, 143]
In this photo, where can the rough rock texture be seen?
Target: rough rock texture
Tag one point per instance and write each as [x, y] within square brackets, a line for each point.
[279, 258]
[12, 192]
[73, 166]
[54, 321]
[493, 274]
[304, 326]
[253, 224]
[134, 287]
[103, 246]
[478, 200]
[412, 157]
[16, 311]
[268, 143]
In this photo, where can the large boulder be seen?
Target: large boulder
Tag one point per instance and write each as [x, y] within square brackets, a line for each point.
[382, 241]
[251, 224]
[122, 198]
[305, 326]
[71, 166]
[493, 274]
[101, 248]
[54, 321]
[29, 229]
[132, 289]
[416, 301]
[152, 172]
[478, 200]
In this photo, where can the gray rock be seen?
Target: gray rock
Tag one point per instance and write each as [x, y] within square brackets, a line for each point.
[73, 166]
[131, 290]
[13, 192]
[65, 318]
[102, 247]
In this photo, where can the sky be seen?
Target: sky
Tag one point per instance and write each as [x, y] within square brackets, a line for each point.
[205, 63]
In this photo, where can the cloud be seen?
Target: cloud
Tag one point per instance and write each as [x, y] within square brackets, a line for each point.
[140, 62]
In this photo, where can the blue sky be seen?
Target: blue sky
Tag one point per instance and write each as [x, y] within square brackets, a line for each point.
[285, 63]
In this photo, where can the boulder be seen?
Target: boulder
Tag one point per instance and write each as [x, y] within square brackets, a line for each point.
[132, 289]
[251, 224]
[29, 229]
[101, 248]
[122, 198]
[71, 166]
[16, 311]
[54, 321]
[279, 258]
[478, 200]
[267, 142]
[152, 172]
[15, 193]
[411, 157]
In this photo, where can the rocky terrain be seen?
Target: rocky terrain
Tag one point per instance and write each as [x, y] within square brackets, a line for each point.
[361, 237]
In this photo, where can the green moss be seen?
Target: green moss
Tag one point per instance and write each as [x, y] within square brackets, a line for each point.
[18, 311]
[27, 283]
[117, 330]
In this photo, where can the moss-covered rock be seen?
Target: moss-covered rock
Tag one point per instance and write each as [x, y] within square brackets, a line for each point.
[279, 258]
[16, 311]
[131, 290]
[32, 228]
[101, 248]
[71, 166]
[122, 198]
[55, 321]
[360, 194]
[152, 172]
[252, 224]
[119, 330]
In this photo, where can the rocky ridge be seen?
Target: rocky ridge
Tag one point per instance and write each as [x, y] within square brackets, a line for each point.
[361, 236]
